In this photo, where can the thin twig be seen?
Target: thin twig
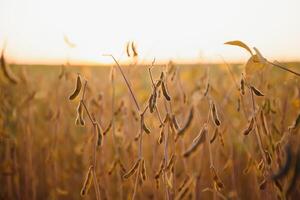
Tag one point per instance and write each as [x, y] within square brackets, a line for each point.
[126, 81]
[231, 73]
[283, 68]
[256, 129]
[94, 123]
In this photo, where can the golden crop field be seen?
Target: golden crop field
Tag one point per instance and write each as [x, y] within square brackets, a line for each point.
[151, 131]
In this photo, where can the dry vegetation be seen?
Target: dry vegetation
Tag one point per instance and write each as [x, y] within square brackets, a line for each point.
[150, 132]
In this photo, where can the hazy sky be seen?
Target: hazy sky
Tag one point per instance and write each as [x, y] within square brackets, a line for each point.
[165, 29]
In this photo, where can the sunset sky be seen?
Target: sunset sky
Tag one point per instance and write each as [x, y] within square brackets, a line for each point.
[165, 29]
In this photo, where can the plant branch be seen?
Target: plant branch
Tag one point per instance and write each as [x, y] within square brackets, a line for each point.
[278, 65]
[126, 81]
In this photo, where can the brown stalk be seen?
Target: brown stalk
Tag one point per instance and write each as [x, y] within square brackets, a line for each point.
[278, 65]
[258, 137]
[94, 123]
[126, 81]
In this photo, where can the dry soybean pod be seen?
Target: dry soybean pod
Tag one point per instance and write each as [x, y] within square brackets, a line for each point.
[165, 92]
[136, 138]
[187, 178]
[278, 185]
[184, 189]
[170, 163]
[161, 136]
[152, 100]
[238, 105]
[263, 184]
[248, 166]
[119, 108]
[127, 49]
[123, 169]
[268, 157]
[216, 178]
[80, 115]
[256, 91]
[143, 171]
[196, 142]
[107, 128]
[161, 168]
[99, 135]
[77, 121]
[158, 83]
[112, 168]
[250, 127]
[150, 103]
[242, 86]
[157, 183]
[145, 128]
[183, 193]
[87, 182]
[133, 48]
[214, 114]
[296, 123]
[132, 170]
[77, 88]
[164, 121]
[79, 118]
[206, 90]
[221, 139]
[216, 132]
[175, 123]
[187, 123]
[261, 165]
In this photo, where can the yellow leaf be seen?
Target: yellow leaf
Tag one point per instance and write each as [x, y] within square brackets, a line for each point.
[260, 57]
[68, 42]
[254, 65]
[240, 44]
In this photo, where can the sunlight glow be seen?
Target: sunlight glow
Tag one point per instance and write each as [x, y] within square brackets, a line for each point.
[170, 29]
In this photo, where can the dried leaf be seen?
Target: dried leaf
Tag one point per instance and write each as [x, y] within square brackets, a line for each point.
[240, 44]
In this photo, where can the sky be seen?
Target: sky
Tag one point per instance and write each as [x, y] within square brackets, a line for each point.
[185, 30]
